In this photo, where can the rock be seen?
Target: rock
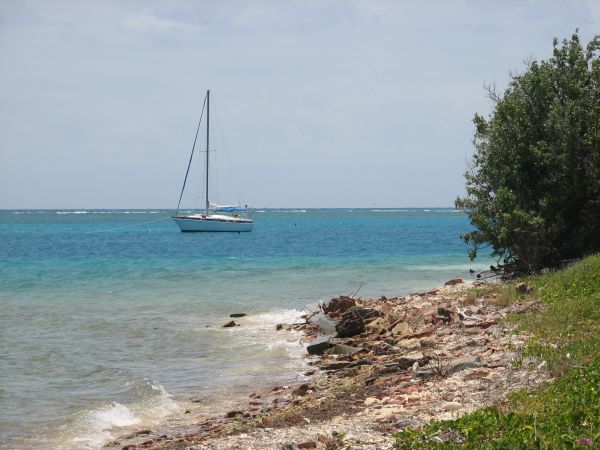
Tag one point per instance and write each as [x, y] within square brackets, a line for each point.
[371, 401]
[301, 390]
[319, 345]
[291, 446]
[410, 344]
[338, 365]
[453, 282]
[308, 444]
[428, 342]
[388, 412]
[522, 288]
[476, 375]
[408, 360]
[232, 414]
[451, 406]
[444, 312]
[421, 332]
[237, 315]
[342, 349]
[462, 363]
[351, 322]
[129, 447]
[339, 305]
[142, 432]
[230, 324]
[278, 326]
[326, 325]
[377, 325]
[401, 329]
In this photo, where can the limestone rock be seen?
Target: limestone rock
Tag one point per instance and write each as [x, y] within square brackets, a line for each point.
[371, 401]
[401, 329]
[462, 363]
[451, 406]
[409, 359]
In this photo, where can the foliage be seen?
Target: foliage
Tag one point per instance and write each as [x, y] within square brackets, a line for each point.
[567, 332]
[533, 190]
[564, 414]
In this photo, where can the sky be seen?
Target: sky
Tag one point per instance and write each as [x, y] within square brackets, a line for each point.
[354, 103]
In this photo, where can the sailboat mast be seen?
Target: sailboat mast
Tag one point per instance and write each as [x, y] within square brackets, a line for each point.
[207, 131]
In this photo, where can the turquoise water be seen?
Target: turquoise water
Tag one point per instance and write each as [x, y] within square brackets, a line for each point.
[112, 319]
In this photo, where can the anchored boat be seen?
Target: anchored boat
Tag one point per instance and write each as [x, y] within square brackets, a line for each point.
[214, 217]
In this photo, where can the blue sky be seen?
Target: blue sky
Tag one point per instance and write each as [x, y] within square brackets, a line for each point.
[319, 103]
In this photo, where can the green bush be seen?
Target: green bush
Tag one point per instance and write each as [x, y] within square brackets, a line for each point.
[533, 189]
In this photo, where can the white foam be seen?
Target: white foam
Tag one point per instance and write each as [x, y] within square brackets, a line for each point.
[260, 330]
[72, 212]
[96, 425]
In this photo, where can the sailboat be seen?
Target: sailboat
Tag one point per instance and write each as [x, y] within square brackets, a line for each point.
[214, 217]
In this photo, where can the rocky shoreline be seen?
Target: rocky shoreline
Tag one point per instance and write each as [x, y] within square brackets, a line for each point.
[378, 366]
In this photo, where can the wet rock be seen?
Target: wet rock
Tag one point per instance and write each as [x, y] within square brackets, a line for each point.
[453, 282]
[339, 305]
[278, 327]
[230, 324]
[232, 414]
[142, 432]
[237, 315]
[319, 345]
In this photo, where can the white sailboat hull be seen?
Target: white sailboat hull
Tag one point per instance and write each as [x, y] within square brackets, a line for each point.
[213, 224]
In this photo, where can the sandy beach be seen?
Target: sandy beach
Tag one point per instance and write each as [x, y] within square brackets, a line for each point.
[394, 363]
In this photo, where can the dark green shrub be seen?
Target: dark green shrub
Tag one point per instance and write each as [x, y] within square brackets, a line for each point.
[533, 190]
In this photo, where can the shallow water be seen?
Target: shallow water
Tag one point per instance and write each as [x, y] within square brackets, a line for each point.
[112, 318]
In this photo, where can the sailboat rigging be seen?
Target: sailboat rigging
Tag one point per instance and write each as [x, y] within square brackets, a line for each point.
[214, 217]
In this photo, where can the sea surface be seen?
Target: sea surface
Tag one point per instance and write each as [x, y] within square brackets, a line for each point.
[112, 319]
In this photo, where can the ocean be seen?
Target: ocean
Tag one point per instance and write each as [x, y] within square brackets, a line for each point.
[112, 319]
